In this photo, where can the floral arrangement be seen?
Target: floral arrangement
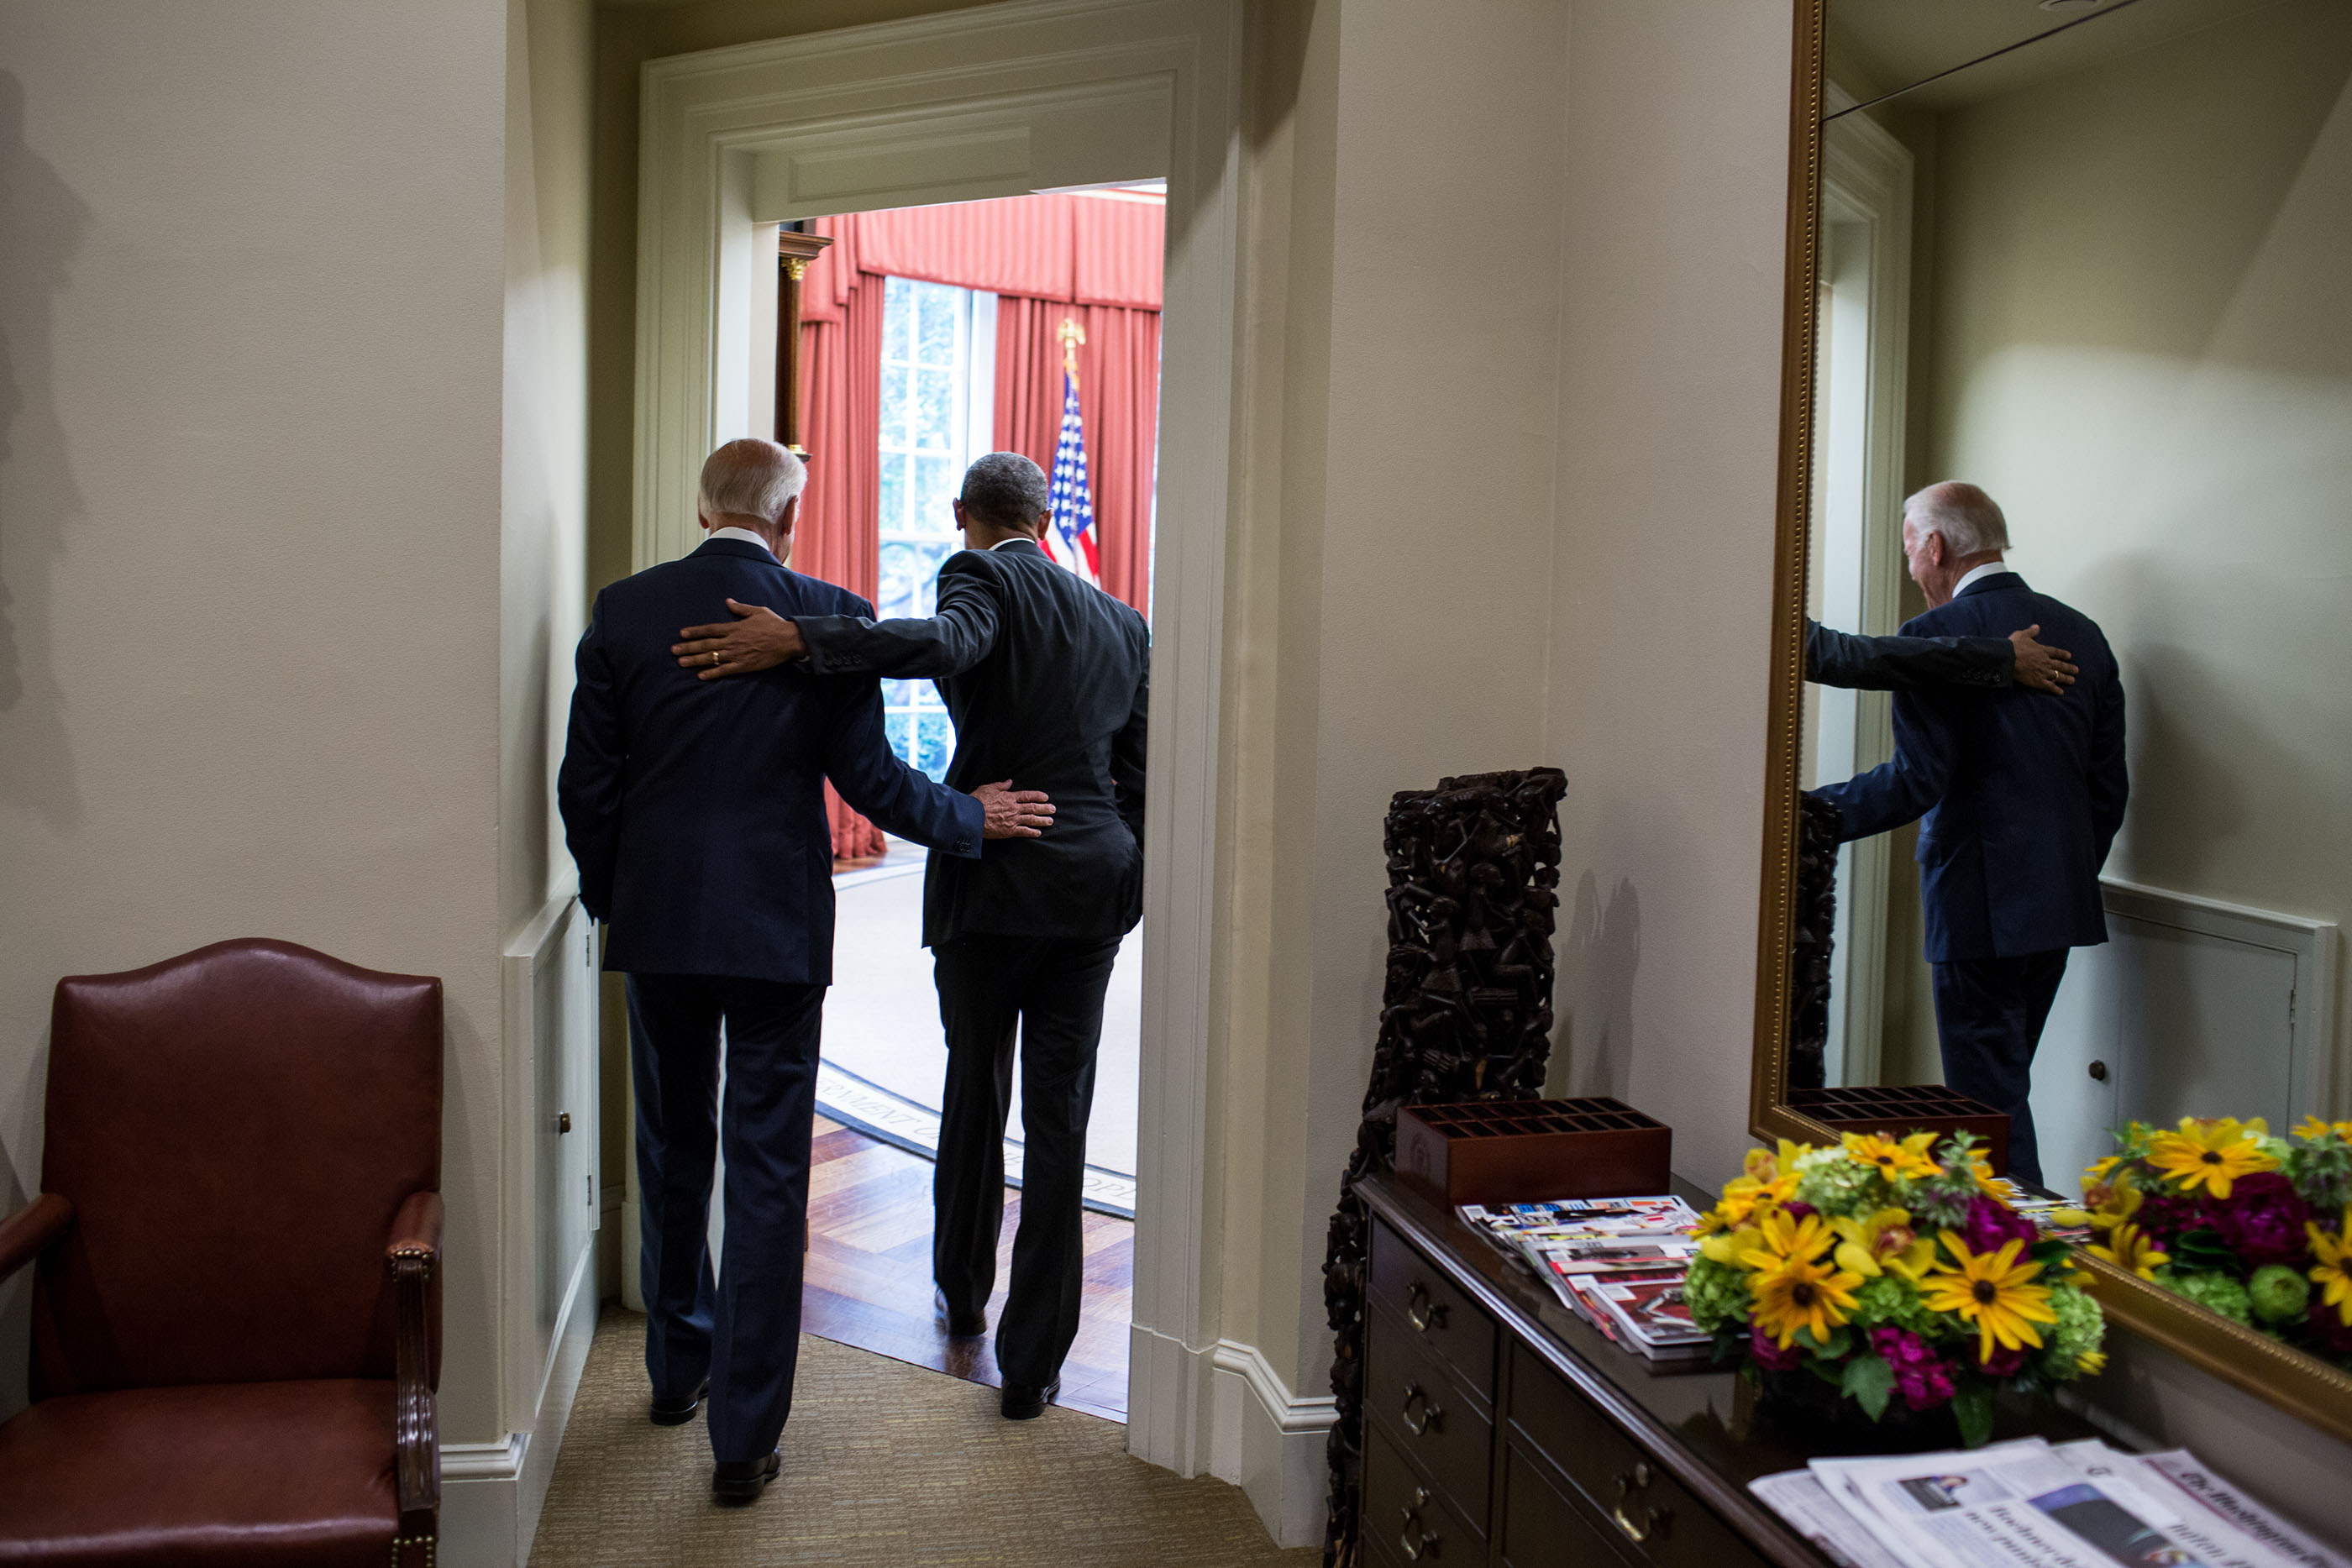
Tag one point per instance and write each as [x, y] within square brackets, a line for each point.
[1890, 1268]
[2255, 1227]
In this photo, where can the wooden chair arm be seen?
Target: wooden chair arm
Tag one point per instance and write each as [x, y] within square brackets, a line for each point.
[27, 1233]
[412, 1253]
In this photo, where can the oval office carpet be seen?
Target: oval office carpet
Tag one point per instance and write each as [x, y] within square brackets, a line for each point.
[883, 1464]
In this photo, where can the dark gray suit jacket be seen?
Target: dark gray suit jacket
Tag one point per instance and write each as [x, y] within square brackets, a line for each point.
[1906, 664]
[1047, 679]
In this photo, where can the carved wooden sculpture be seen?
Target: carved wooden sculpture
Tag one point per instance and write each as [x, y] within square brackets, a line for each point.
[1809, 941]
[1474, 870]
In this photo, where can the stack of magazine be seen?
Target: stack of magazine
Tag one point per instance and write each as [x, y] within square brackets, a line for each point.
[2032, 1504]
[1617, 1262]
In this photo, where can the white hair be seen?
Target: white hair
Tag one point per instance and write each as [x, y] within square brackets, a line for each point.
[1967, 517]
[750, 478]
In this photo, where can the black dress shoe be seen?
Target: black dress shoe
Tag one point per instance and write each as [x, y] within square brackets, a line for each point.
[741, 1480]
[959, 1325]
[1026, 1401]
[677, 1412]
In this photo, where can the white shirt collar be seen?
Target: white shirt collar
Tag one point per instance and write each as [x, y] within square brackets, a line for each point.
[1974, 572]
[1015, 539]
[748, 537]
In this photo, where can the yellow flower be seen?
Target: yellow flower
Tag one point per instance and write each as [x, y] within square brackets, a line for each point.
[1801, 1295]
[2210, 1153]
[1726, 1246]
[2128, 1248]
[2096, 1173]
[2313, 1128]
[1767, 1165]
[1990, 1290]
[2111, 1206]
[1885, 1241]
[1745, 1197]
[2334, 1274]
[2091, 1363]
[1892, 1160]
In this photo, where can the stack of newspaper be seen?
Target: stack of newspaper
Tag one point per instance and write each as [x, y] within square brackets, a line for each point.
[1617, 1262]
[2032, 1504]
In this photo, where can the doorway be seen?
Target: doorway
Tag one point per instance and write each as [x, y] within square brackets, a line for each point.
[959, 106]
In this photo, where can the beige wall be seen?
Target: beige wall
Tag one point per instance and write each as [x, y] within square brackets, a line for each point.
[2142, 346]
[251, 294]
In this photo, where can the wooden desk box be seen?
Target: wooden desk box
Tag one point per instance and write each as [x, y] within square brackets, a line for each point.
[1525, 1151]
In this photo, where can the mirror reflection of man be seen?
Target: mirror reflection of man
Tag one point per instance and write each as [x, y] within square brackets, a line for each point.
[2021, 798]
[1047, 678]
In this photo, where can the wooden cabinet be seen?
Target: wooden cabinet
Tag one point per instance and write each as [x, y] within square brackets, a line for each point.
[1500, 1431]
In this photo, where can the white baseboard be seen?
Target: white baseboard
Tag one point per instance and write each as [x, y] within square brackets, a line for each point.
[1261, 1436]
[492, 1493]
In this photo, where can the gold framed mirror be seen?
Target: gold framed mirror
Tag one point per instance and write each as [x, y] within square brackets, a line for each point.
[2086, 256]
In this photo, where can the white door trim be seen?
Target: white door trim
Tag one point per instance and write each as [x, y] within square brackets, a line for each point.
[993, 101]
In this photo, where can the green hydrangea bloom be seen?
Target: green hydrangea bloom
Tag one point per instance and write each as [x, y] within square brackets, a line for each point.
[2277, 1293]
[1840, 1187]
[1718, 1294]
[2212, 1290]
[1937, 1202]
[1890, 1300]
[2079, 1330]
[2322, 1172]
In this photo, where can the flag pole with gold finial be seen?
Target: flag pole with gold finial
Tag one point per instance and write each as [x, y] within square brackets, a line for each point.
[1072, 335]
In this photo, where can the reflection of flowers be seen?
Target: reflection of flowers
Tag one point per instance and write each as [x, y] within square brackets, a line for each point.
[2263, 1222]
[2333, 1273]
[2210, 1153]
[2126, 1248]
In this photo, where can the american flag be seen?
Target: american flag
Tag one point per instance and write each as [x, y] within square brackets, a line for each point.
[1070, 537]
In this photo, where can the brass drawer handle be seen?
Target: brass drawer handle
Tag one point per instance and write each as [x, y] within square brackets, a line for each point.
[1629, 1486]
[1416, 1539]
[1432, 1415]
[1421, 1312]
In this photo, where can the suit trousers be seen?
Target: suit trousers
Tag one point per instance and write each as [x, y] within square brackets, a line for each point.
[1052, 992]
[1989, 1019]
[741, 1330]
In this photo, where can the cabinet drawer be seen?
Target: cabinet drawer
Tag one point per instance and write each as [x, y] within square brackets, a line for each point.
[1541, 1528]
[1405, 1521]
[1661, 1522]
[1427, 1414]
[1449, 1322]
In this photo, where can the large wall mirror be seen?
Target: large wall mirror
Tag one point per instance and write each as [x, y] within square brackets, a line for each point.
[2070, 344]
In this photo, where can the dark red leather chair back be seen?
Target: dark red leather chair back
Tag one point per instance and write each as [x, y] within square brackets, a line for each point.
[236, 1128]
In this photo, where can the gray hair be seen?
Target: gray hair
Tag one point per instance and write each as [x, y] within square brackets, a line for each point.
[750, 478]
[1967, 517]
[1005, 490]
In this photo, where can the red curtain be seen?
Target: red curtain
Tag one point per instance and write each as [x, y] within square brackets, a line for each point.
[838, 539]
[1118, 397]
[1092, 258]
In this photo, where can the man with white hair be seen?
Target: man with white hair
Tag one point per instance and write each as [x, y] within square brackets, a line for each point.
[696, 812]
[2022, 795]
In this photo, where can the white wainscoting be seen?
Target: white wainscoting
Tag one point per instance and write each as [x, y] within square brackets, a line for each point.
[2193, 1006]
[491, 1493]
[1269, 1442]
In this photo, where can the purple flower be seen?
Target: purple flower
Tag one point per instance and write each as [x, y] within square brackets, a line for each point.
[1798, 1210]
[1769, 1356]
[1923, 1377]
[2163, 1219]
[2262, 1221]
[2004, 1360]
[1988, 1225]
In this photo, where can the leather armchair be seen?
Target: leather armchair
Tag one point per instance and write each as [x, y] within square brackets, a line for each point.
[235, 1257]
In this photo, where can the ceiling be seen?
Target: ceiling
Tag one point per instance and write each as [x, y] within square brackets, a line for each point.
[1878, 47]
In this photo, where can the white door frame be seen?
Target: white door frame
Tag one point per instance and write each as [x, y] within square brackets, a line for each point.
[1866, 180]
[1001, 100]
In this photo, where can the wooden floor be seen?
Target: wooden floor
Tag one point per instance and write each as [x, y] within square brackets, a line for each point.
[870, 1274]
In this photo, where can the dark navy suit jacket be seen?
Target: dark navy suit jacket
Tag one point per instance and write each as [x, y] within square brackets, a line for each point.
[1048, 678]
[2022, 792]
[696, 809]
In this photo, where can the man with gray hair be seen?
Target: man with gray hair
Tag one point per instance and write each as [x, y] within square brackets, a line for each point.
[696, 812]
[2021, 796]
[1045, 677]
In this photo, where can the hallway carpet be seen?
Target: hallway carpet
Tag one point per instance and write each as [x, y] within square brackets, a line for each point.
[884, 1464]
